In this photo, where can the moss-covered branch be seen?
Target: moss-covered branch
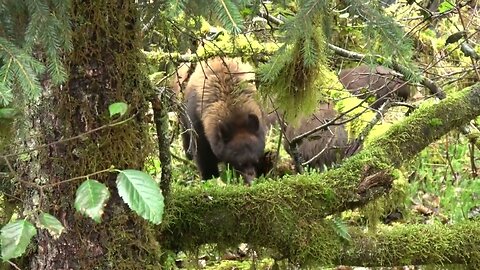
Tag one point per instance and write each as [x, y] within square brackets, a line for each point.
[271, 214]
[415, 245]
[435, 244]
[254, 50]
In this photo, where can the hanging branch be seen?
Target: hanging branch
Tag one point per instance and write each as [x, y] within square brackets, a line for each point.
[160, 104]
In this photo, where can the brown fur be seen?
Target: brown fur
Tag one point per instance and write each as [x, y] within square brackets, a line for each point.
[378, 81]
[229, 124]
[317, 142]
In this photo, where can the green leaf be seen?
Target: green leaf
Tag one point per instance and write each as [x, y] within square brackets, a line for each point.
[445, 6]
[15, 237]
[141, 194]
[52, 224]
[118, 108]
[91, 198]
[341, 229]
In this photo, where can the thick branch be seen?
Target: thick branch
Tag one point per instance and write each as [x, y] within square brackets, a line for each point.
[317, 243]
[415, 245]
[234, 214]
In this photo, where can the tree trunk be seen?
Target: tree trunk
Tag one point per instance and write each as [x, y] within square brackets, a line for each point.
[105, 67]
[282, 215]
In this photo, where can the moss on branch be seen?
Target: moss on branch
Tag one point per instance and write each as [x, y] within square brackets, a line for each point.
[287, 216]
[415, 245]
[249, 49]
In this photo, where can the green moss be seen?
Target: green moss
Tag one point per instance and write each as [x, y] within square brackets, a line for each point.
[435, 122]
[415, 244]
[242, 265]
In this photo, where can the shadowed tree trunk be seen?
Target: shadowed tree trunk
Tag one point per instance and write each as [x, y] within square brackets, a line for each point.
[104, 68]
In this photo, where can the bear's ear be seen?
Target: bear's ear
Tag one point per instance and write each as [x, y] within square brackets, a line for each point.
[225, 132]
[253, 123]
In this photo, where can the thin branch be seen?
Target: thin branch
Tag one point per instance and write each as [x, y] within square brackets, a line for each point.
[14, 265]
[297, 139]
[355, 146]
[111, 169]
[320, 152]
[17, 177]
[79, 136]
[434, 89]
[474, 64]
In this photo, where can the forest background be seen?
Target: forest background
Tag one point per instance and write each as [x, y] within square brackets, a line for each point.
[93, 175]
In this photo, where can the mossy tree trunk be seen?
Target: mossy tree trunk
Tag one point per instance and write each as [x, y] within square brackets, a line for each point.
[105, 67]
[287, 216]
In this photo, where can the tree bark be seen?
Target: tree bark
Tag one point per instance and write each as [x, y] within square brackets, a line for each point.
[273, 214]
[105, 67]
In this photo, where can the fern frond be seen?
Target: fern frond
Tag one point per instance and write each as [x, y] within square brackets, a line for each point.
[39, 12]
[51, 43]
[6, 95]
[293, 83]
[385, 36]
[269, 72]
[62, 25]
[341, 229]
[228, 14]
[19, 67]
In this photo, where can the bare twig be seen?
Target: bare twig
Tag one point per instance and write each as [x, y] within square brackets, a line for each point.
[320, 152]
[474, 64]
[355, 146]
[111, 169]
[14, 265]
[434, 89]
[471, 148]
[160, 115]
[79, 136]
[297, 139]
[449, 161]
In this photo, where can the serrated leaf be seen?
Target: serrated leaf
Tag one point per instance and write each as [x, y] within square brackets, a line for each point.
[15, 237]
[91, 198]
[118, 108]
[141, 194]
[51, 224]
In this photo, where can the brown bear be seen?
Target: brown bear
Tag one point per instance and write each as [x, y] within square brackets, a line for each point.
[322, 148]
[379, 82]
[228, 122]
